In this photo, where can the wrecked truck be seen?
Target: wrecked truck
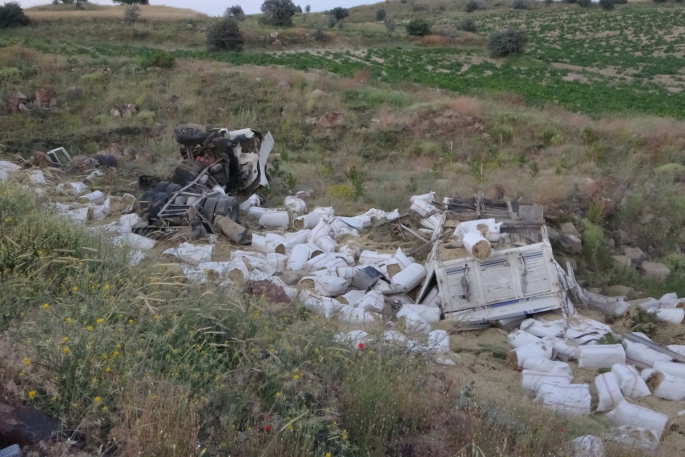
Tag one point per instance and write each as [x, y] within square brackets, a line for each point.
[214, 163]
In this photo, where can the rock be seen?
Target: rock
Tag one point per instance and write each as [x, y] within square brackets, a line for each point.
[589, 189]
[74, 93]
[23, 108]
[571, 244]
[311, 121]
[83, 163]
[485, 136]
[331, 119]
[273, 293]
[274, 35]
[647, 216]
[129, 111]
[608, 206]
[619, 291]
[568, 228]
[25, 425]
[622, 261]
[655, 270]
[621, 237]
[114, 112]
[316, 93]
[635, 255]
[44, 95]
[553, 235]
[41, 159]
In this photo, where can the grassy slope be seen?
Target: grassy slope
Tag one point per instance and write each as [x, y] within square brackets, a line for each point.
[537, 154]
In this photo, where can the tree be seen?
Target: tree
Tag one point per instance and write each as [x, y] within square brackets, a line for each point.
[339, 13]
[298, 9]
[236, 12]
[225, 35]
[520, 5]
[380, 15]
[278, 12]
[307, 9]
[584, 3]
[473, 5]
[418, 27]
[131, 13]
[507, 42]
[11, 15]
[607, 4]
[132, 2]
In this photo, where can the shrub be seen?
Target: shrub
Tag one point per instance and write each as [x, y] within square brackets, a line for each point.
[380, 15]
[339, 13]
[390, 24]
[520, 5]
[319, 35]
[473, 5]
[11, 15]
[625, 2]
[584, 3]
[131, 13]
[278, 12]
[159, 59]
[225, 36]
[507, 42]
[607, 4]
[236, 12]
[549, 2]
[418, 27]
[467, 25]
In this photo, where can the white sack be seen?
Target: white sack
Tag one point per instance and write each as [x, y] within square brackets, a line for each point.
[427, 313]
[409, 278]
[600, 356]
[637, 416]
[519, 355]
[631, 383]
[532, 380]
[544, 328]
[609, 391]
[572, 399]
[521, 338]
[641, 356]
[544, 365]
[439, 342]
[672, 368]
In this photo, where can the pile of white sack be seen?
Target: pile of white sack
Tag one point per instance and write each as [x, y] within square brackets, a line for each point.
[543, 350]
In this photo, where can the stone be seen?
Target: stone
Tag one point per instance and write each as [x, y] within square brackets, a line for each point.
[331, 119]
[274, 35]
[655, 270]
[622, 261]
[635, 255]
[553, 235]
[43, 96]
[41, 159]
[619, 291]
[74, 93]
[25, 425]
[23, 108]
[571, 244]
[621, 237]
[311, 120]
[316, 93]
[114, 112]
[129, 111]
[589, 189]
[647, 216]
[83, 163]
[608, 206]
[567, 228]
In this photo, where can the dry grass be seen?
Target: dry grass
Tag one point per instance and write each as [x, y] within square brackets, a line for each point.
[147, 13]
[436, 40]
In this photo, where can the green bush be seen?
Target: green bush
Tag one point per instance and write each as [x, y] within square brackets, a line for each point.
[418, 27]
[339, 13]
[11, 15]
[473, 5]
[225, 36]
[607, 4]
[625, 2]
[159, 59]
[520, 5]
[507, 42]
[278, 12]
[236, 12]
[380, 15]
[467, 25]
[584, 3]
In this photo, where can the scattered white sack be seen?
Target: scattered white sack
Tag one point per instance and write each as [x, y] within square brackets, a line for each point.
[372, 301]
[278, 261]
[490, 229]
[547, 366]
[637, 416]
[409, 278]
[668, 300]
[533, 379]
[296, 205]
[544, 328]
[352, 297]
[367, 257]
[632, 385]
[323, 228]
[600, 356]
[677, 348]
[445, 362]
[352, 315]
[37, 177]
[323, 306]
[382, 286]
[641, 356]
[307, 221]
[402, 259]
[99, 212]
[193, 274]
[189, 253]
[587, 325]
[520, 338]
[582, 338]
[415, 323]
[135, 257]
[214, 269]
[275, 219]
[134, 241]
[666, 386]
[355, 337]
[290, 240]
[346, 272]
[423, 208]
[326, 243]
[76, 215]
[646, 373]
[634, 437]
[427, 313]
[392, 336]
[608, 391]
[267, 246]
[428, 198]
[564, 350]
[96, 197]
[672, 315]
[587, 446]
[238, 271]
[376, 214]
[324, 211]
[299, 255]
[71, 188]
[650, 303]
[539, 349]
[328, 286]
[439, 342]
[433, 298]
[672, 368]
[129, 220]
[326, 261]
[256, 212]
[571, 399]
[9, 167]
[253, 200]
[477, 245]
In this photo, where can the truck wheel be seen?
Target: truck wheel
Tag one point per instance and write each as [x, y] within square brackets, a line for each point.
[208, 210]
[228, 207]
[190, 134]
[186, 172]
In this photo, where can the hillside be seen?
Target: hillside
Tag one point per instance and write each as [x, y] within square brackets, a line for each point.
[587, 122]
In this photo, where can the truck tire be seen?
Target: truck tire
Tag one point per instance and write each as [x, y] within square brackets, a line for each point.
[190, 134]
[186, 172]
[161, 186]
[172, 188]
[146, 201]
[160, 200]
[229, 207]
[208, 210]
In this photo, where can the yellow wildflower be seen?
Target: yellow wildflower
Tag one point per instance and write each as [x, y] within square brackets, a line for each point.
[66, 338]
[67, 320]
[46, 306]
[32, 394]
[97, 399]
[27, 362]
[100, 321]
[90, 328]
[65, 350]
[75, 289]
